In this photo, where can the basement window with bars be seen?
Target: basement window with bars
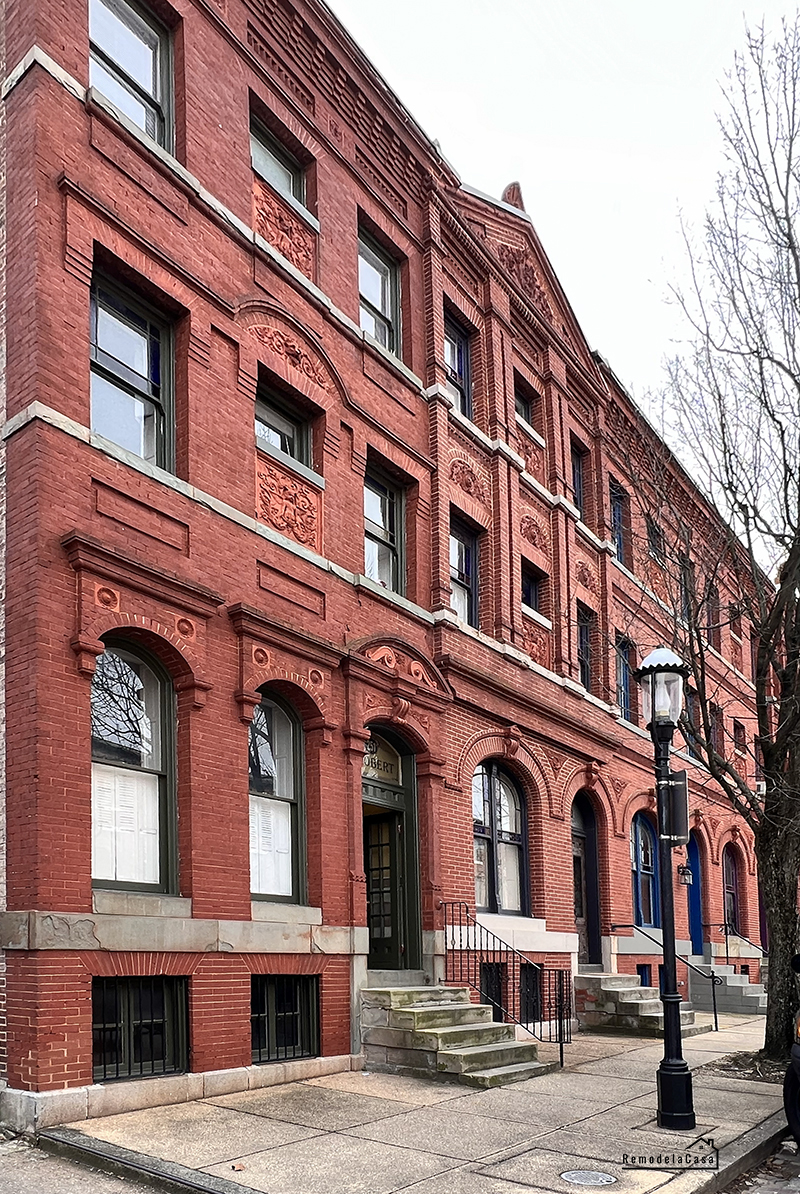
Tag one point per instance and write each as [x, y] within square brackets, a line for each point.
[139, 1027]
[284, 1016]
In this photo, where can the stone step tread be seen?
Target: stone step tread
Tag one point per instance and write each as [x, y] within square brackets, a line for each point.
[429, 1015]
[501, 1075]
[478, 1057]
[617, 980]
[458, 1036]
[640, 1007]
[632, 994]
[413, 996]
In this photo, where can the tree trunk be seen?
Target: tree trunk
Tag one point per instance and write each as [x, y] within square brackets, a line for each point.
[778, 855]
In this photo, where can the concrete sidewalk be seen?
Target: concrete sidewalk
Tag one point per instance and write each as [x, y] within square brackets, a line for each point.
[367, 1133]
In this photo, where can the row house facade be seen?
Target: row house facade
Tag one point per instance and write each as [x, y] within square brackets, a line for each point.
[326, 569]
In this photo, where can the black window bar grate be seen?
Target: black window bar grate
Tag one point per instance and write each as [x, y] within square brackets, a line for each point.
[139, 1027]
[284, 1016]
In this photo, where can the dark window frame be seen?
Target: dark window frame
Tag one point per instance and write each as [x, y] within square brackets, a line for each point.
[122, 992]
[585, 622]
[161, 106]
[468, 583]
[273, 402]
[492, 772]
[578, 457]
[267, 992]
[126, 305]
[731, 887]
[533, 585]
[739, 737]
[297, 803]
[270, 143]
[167, 777]
[641, 825]
[694, 732]
[619, 503]
[460, 379]
[394, 494]
[713, 618]
[655, 539]
[369, 247]
[625, 651]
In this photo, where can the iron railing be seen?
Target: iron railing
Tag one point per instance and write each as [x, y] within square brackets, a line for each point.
[729, 932]
[139, 1027]
[536, 997]
[284, 1016]
[714, 979]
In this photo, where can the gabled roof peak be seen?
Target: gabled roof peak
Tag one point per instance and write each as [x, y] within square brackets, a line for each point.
[512, 195]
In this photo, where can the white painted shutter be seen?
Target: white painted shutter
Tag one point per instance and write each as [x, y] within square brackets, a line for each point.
[125, 829]
[270, 846]
[282, 753]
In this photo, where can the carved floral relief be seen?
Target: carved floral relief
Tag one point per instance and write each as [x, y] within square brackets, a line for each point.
[537, 643]
[586, 576]
[397, 661]
[519, 265]
[535, 532]
[467, 479]
[287, 504]
[283, 229]
[283, 343]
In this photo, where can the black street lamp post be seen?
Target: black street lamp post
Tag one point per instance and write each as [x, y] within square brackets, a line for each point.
[661, 677]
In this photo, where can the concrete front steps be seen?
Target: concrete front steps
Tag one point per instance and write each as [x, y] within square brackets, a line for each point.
[736, 994]
[437, 1032]
[619, 1003]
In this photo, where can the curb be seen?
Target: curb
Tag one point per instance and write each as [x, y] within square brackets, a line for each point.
[744, 1153]
[125, 1162]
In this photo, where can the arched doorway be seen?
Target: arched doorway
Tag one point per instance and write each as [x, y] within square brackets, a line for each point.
[586, 880]
[391, 853]
[694, 895]
[730, 888]
[644, 872]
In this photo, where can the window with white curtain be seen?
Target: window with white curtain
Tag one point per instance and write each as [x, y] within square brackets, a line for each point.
[132, 713]
[275, 794]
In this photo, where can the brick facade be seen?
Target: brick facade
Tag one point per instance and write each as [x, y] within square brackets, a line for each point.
[243, 575]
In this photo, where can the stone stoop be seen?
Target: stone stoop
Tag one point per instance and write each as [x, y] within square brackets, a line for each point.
[619, 1003]
[736, 995]
[437, 1032]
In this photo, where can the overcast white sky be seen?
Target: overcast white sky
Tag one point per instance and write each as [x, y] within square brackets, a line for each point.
[603, 110]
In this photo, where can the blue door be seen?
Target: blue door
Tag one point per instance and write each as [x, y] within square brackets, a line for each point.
[694, 895]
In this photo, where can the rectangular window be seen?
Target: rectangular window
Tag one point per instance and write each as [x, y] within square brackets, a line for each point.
[383, 526]
[692, 734]
[131, 371]
[129, 63]
[685, 587]
[645, 972]
[578, 457]
[523, 405]
[139, 1027]
[739, 738]
[735, 618]
[533, 587]
[457, 363]
[655, 540]
[585, 627]
[464, 573]
[284, 1016]
[275, 164]
[717, 727]
[625, 652]
[713, 618]
[281, 428]
[618, 499]
[378, 288]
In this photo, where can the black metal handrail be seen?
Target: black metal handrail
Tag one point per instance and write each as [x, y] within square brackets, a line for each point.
[730, 931]
[714, 979]
[536, 997]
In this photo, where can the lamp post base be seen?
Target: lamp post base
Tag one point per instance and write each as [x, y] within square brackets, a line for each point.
[675, 1106]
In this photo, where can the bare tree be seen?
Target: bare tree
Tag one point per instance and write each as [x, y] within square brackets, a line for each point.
[734, 394]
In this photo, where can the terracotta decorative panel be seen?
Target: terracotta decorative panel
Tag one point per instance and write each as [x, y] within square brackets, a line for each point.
[283, 229]
[287, 503]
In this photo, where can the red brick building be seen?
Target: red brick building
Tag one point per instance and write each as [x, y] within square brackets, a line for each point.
[325, 577]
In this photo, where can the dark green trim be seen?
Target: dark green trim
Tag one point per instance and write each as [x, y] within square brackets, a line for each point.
[167, 786]
[298, 806]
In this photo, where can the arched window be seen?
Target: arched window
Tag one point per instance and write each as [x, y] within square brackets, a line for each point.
[498, 816]
[730, 885]
[277, 834]
[644, 871]
[133, 772]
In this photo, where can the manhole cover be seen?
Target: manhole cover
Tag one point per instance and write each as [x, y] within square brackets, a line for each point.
[588, 1177]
